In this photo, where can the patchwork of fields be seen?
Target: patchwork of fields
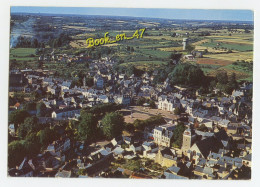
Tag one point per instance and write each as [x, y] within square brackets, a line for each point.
[154, 49]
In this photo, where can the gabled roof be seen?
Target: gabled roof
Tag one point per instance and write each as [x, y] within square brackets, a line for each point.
[118, 151]
[221, 135]
[167, 153]
[67, 109]
[207, 145]
[174, 169]
[248, 157]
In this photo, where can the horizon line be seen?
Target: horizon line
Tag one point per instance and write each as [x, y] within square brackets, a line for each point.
[186, 19]
[169, 14]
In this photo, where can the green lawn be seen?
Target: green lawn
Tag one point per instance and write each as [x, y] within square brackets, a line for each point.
[22, 52]
[237, 47]
[206, 68]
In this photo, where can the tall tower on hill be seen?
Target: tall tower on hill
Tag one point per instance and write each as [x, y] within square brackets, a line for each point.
[185, 43]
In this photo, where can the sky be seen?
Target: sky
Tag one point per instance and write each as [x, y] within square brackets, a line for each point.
[191, 14]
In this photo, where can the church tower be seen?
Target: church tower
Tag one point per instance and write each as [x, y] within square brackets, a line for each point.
[188, 139]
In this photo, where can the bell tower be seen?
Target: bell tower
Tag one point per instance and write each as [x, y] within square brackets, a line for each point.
[187, 141]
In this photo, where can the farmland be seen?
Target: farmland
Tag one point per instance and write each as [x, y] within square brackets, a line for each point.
[222, 48]
[222, 44]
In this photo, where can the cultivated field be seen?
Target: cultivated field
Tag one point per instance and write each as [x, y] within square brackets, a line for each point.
[246, 56]
[213, 61]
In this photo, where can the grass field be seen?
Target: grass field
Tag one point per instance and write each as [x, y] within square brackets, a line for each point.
[247, 56]
[23, 54]
[212, 61]
[231, 46]
[152, 51]
[207, 68]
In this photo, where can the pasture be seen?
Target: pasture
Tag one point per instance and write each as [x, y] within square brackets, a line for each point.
[23, 54]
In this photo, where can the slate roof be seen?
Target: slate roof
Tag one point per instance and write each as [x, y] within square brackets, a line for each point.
[173, 176]
[67, 109]
[208, 170]
[174, 169]
[118, 150]
[248, 157]
[202, 162]
[199, 169]
[207, 145]
[167, 152]
[63, 174]
[221, 135]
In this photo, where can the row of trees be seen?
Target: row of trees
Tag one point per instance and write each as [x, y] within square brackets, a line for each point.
[25, 42]
[60, 41]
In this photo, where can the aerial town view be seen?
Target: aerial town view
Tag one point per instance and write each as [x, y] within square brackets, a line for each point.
[140, 97]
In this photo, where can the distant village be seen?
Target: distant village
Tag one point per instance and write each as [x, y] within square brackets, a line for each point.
[223, 151]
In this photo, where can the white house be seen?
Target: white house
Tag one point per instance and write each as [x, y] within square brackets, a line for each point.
[169, 104]
[65, 113]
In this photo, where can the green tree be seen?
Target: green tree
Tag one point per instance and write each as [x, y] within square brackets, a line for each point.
[41, 110]
[89, 81]
[30, 125]
[133, 70]
[177, 111]
[152, 104]
[203, 128]
[112, 124]
[35, 43]
[189, 48]
[233, 81]
[178, 135]
[29, 106]
[32, 148]
[87, 127]
[139, 124]
[222, 77]
[129, 127]
[140, 101]
[47, 136]
[18, 117]
[187, 74]
[16, 153]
